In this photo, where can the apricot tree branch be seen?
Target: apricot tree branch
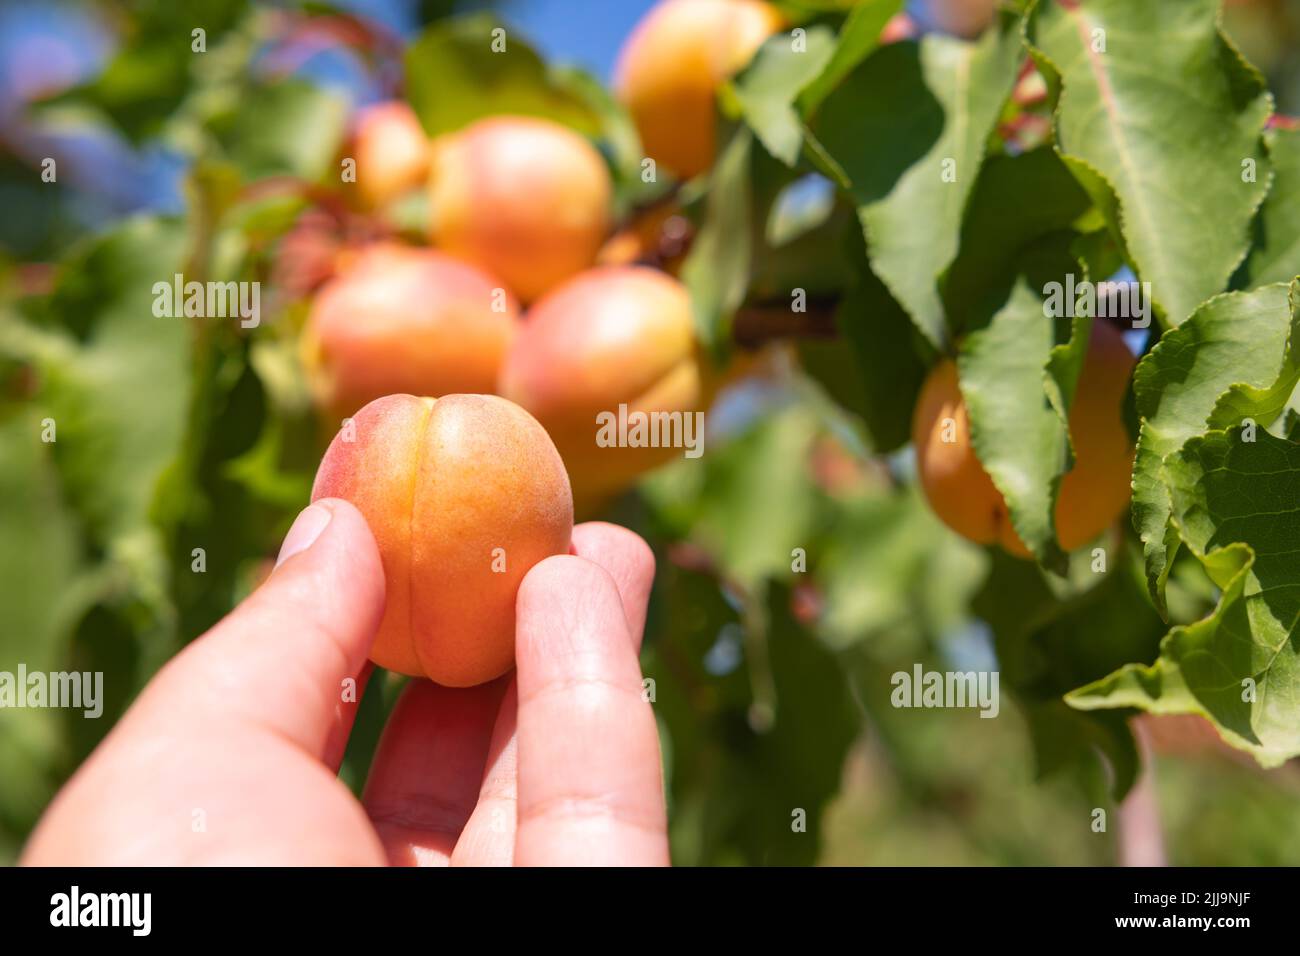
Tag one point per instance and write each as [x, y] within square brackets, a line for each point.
[763, 322]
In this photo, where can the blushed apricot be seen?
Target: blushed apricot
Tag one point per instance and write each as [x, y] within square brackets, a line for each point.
[614, 335]
[402, 319]
[464, 494]
[899, 27]
[391, 151]
[1093, 493]
[524, 198]
[671, 66]
[964, 18]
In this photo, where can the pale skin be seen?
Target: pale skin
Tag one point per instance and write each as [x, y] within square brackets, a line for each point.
[230, 754]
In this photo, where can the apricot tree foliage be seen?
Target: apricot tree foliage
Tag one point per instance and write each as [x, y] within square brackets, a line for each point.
[876, 205]
[1155, 155]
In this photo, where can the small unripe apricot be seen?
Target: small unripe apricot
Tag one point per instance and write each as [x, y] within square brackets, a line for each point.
[1092, 494]
[614, 335]
[402, 319]
[525, 198]
[659, 236]
[464, 494]
[671, 66]
[391, 151]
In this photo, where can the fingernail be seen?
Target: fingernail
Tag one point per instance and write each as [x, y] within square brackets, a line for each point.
[306, 529]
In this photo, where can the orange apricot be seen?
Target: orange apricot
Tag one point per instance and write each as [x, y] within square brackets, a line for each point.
[464, 494]
[391, 151]
[613, 336]
[524, 198]
[402, 319]
[1092, 494]
[671, 66]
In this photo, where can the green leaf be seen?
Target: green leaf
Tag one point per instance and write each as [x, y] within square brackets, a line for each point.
[453, 77]
[152, 73]
[1234, 504]
[908, 128]
[798, 241]
[1050, 643]
[1147, 125]
[40, 599]
[1047, 201]
[1243, 339]
[114, 378]
[115, 437]
[291, 128]
[874, 368]
[717, 269]
[1112, 625]
[1276, 256]
[802, 755]
[767, 90]
[758, 501]
[1018, 381]
[859, 35]
[39, 546]
[1018, 386]
[735, 787]
[882, 553]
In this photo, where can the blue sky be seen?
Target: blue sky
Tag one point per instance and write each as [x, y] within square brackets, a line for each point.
[587, 33]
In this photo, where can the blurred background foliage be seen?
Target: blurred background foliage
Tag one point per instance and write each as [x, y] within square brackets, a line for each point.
[772, 687]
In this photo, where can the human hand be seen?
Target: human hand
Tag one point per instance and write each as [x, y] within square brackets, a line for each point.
[243, 731]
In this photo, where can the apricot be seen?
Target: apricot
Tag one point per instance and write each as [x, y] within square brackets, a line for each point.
[524, 198]
[658, 236]
[614, 335]
[402, 319]
[671, 66]
[963, 18]
[391, 151]
[463, 494]
[900, 27]
[1093, 493]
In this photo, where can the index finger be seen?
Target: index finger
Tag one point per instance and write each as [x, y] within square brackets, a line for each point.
[590, 779]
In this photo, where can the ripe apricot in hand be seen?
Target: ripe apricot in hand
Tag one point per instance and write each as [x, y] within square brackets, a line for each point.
[464, 494]
[670, 68]
[524, 198]
[391, 151]
[613, 335]
[402, 319]
[1092, 494]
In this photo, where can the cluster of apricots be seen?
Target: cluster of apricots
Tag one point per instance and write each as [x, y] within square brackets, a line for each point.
[469, 372]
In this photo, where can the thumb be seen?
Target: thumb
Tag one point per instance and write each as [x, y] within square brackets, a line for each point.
[281, 659]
